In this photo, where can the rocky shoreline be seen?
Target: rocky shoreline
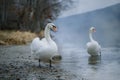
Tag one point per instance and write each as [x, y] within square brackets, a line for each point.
[16, 63]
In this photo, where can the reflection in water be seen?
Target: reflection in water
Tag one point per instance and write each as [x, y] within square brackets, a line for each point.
[93, 60]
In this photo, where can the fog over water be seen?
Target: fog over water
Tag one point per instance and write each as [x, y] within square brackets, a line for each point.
[73, 30]
[73, 34]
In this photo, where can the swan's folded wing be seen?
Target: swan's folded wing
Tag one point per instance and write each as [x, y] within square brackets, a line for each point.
[88, 44]
[35, 45]
[38, 45]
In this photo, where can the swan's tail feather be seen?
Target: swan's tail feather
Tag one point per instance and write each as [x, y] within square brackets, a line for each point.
[56, 58]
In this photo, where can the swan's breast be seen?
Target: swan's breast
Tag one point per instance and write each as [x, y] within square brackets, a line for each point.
[93, 48]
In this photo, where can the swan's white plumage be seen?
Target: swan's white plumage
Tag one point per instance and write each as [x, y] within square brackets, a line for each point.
[93, 47]
[44, 49]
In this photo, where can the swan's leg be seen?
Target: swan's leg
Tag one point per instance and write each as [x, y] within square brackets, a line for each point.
[39, 63]
[50, 63]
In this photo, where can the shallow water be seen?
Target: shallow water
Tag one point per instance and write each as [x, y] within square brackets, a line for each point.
[75, 61]
[80, 63]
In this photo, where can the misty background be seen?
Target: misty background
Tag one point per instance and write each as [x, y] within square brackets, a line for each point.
[73, 18]
[73, 29]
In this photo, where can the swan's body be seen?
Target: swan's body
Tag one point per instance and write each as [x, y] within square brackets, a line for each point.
[45, 49]
[93, 47]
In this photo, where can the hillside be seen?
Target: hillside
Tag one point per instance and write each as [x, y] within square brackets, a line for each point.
[106, 21]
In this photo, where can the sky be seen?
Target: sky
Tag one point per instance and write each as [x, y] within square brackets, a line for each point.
[82, 6]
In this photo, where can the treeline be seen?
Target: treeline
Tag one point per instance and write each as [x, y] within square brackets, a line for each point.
[30, 15]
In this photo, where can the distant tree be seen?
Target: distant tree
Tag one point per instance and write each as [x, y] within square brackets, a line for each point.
[5, 7]
[46, 11]
[30, 15]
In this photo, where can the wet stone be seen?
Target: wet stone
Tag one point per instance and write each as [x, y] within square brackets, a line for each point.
[19, 66]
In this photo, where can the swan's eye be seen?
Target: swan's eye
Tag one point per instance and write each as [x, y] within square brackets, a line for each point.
[94, 30]
[54, 26]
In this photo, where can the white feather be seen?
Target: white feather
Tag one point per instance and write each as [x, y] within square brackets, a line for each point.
[44, 49]
[93, 47]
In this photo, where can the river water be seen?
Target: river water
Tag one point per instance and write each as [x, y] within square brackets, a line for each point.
[80, 63]
[73, 36]
[75, 60]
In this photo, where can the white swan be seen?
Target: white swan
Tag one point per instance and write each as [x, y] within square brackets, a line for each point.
[93, 48]
[45, 49]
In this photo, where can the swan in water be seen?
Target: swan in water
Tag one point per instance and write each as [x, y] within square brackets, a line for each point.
[93, 47]
[46, 49]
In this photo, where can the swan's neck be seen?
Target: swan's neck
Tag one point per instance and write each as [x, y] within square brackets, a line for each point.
[47, 33]
[90, 36]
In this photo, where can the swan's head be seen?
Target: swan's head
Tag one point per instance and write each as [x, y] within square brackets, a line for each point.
[52, 27]
[92, 29]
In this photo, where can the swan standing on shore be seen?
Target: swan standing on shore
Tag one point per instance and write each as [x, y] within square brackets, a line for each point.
[93, 48]
[46, 49]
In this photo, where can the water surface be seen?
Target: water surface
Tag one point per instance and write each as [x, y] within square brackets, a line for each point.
[75, 61]
[80, 63]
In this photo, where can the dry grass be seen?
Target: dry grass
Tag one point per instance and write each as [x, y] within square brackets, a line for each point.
[15, 37]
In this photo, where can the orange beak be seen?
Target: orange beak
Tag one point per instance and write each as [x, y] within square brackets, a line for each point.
[54, 28]
[94, 30]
